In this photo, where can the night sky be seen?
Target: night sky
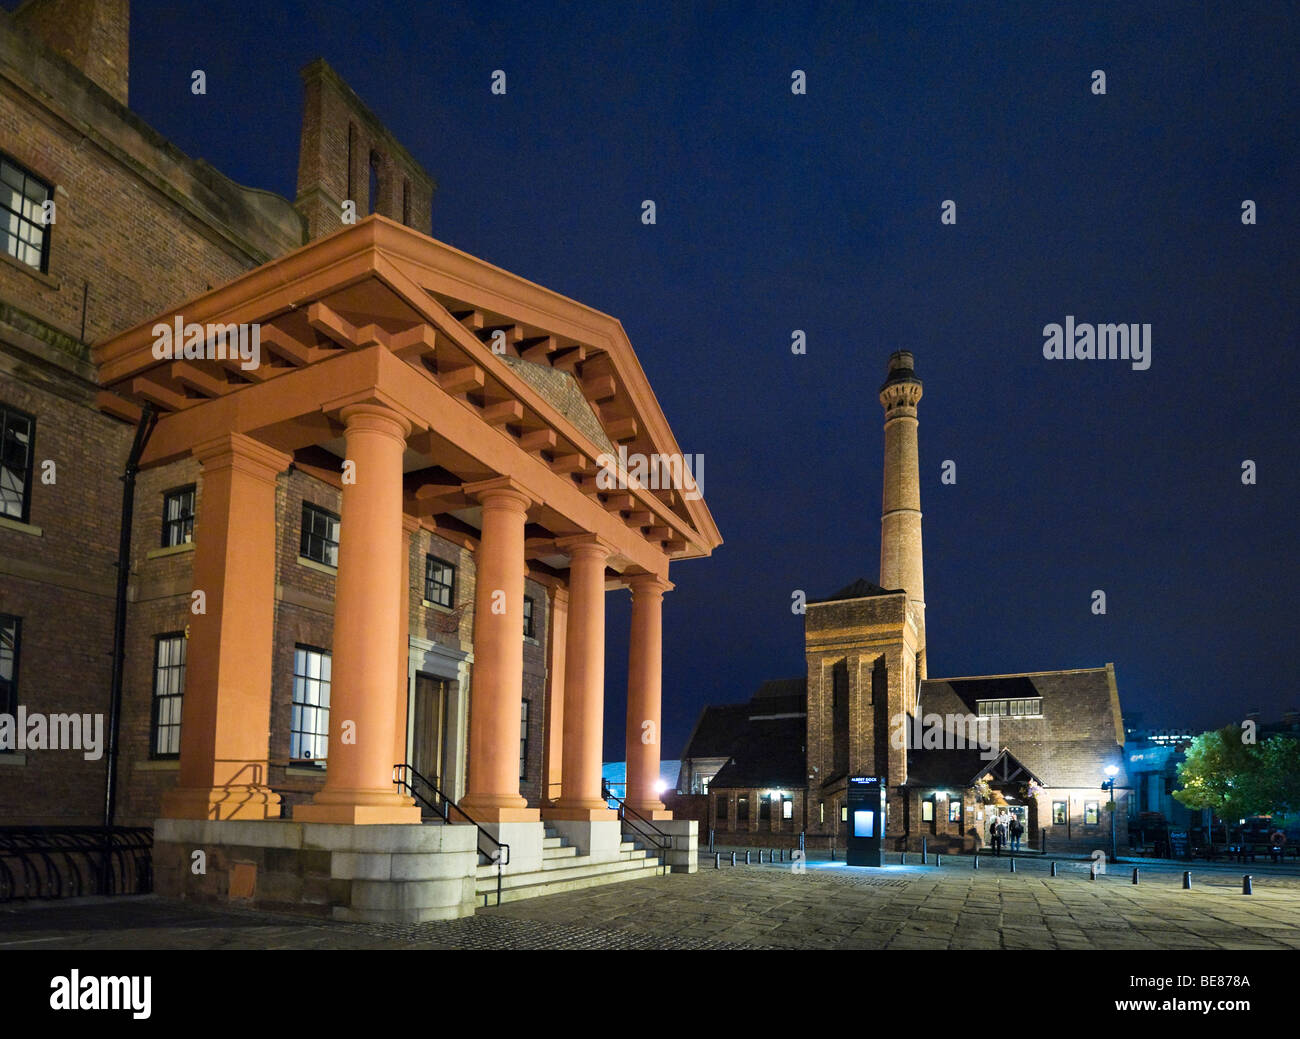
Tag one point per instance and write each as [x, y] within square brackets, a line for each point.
[822, 213]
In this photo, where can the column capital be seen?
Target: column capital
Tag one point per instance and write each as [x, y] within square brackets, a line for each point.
[376, 418]
[501, 491]
[589, 545]
[648, 584]
[235, 450]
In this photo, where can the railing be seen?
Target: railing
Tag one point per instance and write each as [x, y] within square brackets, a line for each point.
[640, 825]
[426, 792]
[70, 861]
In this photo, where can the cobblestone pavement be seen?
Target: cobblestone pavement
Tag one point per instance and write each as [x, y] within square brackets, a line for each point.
[830, 906]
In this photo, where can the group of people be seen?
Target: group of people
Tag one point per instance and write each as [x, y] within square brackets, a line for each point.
[1003, 828]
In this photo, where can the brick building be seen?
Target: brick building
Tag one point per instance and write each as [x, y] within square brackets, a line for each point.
[489, 379]
[954, 752]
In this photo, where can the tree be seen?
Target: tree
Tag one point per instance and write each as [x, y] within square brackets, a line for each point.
[1234, 778]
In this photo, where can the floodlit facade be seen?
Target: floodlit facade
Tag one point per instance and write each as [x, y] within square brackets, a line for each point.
[379, 501]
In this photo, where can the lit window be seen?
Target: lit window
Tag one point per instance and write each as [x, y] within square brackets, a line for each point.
[309, 725]
[954, 811]
[22, 215]
[1091, 813]
[17, 431]
[1059, 810]
[787, 808]
[320, 535]
[168, 694]
[178, 517]
[844, 813]
[927, 811]
[440, 583]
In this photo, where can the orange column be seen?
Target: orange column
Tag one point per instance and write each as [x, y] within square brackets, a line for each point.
[409, 526]
[497, 689]
[225, 721]
[367, 622]
[645, 694]
[584, 683]
[553, 751]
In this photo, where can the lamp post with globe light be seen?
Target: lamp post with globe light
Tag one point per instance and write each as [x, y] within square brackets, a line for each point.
[1109, 785]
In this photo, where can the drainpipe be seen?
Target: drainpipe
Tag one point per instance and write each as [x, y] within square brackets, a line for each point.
[148, 419]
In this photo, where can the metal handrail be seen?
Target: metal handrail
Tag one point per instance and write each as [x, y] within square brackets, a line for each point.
[443, 805]
[49, 862]
[657, 836]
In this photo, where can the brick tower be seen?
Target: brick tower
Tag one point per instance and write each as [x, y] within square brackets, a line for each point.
[901, 564]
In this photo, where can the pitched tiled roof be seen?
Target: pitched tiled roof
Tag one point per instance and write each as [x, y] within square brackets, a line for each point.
[1077, 736]
[770, 753]
[859, 589]
[716, 731]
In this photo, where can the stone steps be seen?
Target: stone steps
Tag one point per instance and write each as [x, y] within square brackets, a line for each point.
[566, 877]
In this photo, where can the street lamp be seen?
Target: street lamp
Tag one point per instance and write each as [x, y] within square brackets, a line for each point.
[1109, 785]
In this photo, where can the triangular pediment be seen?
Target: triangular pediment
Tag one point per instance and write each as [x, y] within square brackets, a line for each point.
[1006, 768]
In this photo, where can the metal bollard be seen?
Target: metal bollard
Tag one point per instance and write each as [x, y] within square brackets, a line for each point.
[760, 855]
[747, 858]
[1053, 869]
[717, 860]
[977, 860]
[733, 858]
[1247, 888]
[783, 856]
[1187, 880]
[902, 859]
[1092, 870]
[1135, 874]
[938, 859]
[1013, 865]
[924, 850]
[710, 840]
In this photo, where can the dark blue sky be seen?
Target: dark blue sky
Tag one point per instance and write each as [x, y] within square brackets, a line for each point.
[821, 212]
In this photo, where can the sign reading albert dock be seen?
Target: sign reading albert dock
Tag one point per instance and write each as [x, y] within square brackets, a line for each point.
[866, 804]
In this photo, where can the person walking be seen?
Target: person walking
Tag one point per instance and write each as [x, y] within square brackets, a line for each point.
[993, 834]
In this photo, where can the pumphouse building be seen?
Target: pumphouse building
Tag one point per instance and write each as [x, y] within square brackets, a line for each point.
[955, 753]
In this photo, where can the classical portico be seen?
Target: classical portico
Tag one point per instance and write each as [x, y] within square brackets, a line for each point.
[437, 393]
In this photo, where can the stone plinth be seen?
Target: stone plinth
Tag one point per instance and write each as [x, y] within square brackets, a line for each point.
[363, 874]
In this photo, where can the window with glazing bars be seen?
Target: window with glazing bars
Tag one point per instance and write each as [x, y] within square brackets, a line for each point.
[168, 694]
[178, 517]
[22, 215]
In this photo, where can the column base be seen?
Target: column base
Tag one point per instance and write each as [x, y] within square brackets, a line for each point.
[359, 808]
[219, 803]
[495, 808]
[652, 810]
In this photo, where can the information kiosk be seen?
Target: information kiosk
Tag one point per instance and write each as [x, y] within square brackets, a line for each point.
[866, 804]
